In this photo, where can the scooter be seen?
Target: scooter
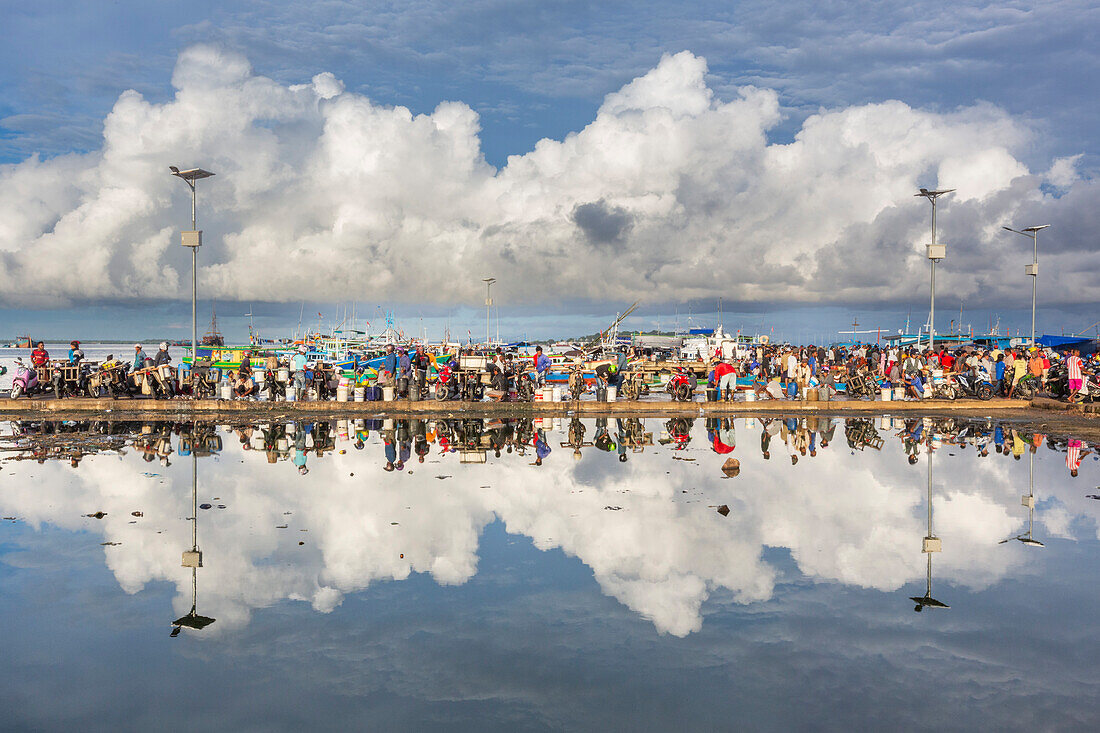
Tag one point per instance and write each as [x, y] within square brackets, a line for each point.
[576, 381]
[970, 386]
[25, 380]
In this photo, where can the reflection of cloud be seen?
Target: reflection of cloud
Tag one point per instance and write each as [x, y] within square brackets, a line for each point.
[663, 553]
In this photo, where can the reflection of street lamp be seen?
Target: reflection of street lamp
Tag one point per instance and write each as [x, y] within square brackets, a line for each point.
[930, 544]
[193, 559]
[192, 239]
[935, 252]
[1033, 268]
[1028, 500]
[488, 302]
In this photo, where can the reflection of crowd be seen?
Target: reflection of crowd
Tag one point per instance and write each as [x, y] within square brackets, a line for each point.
[473, 440]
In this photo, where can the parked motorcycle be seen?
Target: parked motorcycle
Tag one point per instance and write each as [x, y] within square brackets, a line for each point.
[634, 385]
[969, 385]
[576, 381]
[25, 380]
[681, 385]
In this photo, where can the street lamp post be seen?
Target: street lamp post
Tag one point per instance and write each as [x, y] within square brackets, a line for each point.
[1033, 268]
[192, 239]
[488, 303]
[935, 252]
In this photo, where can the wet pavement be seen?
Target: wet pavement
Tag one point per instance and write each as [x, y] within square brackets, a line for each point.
[637, 573]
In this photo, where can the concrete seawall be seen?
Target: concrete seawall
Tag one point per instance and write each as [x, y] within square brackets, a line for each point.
[89, 408]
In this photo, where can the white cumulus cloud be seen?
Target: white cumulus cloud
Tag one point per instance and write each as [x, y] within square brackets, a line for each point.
[669, 190]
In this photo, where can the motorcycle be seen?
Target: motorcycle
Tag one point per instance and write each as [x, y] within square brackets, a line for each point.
[113, 379]
[969, 385]
[576, 381]
[681, 385]
[526, 384]
[445, 382]
[634, 385]
[25, 380]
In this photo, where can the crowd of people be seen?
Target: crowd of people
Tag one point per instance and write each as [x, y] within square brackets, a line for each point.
[783, 371]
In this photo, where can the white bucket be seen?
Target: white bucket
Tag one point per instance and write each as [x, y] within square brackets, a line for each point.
[927, 391]
[899, 393]
[282, 444]
[387, 424]
[289, 396]
[387, 394]
[538, 395]
[937, 376]
[547, 394]
[887, 394]
[360, 394]
[612, 393]
[557, 394]
[342, 393]
[750, 396]
[283, 375]
[227, 391]
[259, 375]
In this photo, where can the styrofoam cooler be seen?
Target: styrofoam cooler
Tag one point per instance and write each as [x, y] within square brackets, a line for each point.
[290, 396]
[359, 394]
[937, 376]
[899, 393]
[612, 392]
[258, 375]
[387, 394]
[538, 395]
[887, 394]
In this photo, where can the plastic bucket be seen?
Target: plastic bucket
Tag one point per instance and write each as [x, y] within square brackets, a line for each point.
[402, 386]
[414, 391]
[601, 394]
[899, 393]
[750, 396]
[612, 393]
[227, 391]
[712, 394]
[557, 394]
[887, 394]
[387, 394]
[538, 395]
[283, 375]
[289, 394]
[811, 394]
[341, 393]
[282, 444]
[547, 394]
[359, 392]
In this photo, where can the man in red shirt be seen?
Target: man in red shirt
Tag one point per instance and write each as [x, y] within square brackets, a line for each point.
[40, 357]
[725, 377]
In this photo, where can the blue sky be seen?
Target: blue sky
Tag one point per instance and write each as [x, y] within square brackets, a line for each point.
[998, 100]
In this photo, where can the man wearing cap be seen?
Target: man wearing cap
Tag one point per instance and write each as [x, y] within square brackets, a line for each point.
[298, 367]
[76, 354]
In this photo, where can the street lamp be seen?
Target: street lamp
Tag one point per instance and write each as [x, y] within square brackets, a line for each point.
[935, 252]
[192, 239]
[1033, 268]
[488, 302]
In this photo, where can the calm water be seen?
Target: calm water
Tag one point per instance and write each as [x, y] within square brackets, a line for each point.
[585, 593]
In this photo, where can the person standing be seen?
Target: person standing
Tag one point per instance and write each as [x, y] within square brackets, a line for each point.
[76, 354]
[40, 357]
[542, 366]
[1073, 368]
[162, 356]
[298, 367]
[139, 356]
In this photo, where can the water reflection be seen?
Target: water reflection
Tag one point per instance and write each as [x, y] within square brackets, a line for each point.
[316, 510]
